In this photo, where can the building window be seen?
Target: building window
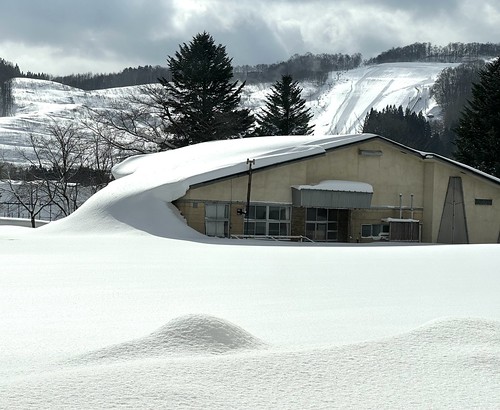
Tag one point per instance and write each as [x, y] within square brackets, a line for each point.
[270, 220]
[375, 231]
[217, 219]
[482, 201]
[322, 224]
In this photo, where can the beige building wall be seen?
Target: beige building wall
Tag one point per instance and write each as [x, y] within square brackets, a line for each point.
[483, 221]
[268, 185]
[390, 174]
[432, 187]
[391, 171]
[194, 212]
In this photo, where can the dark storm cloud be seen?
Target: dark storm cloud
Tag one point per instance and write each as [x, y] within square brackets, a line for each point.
[101, 30]
[248, 38]
[61, 36]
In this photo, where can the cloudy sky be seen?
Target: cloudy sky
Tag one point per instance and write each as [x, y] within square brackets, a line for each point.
[69, 36]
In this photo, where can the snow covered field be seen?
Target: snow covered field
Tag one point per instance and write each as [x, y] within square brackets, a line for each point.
[122, 305]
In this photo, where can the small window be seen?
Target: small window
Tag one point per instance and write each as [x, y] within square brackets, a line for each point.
[375, 231]
[260, 212]
[311, 214]
[322, 214]
[274, 212]
[366, 231]
[482, 201]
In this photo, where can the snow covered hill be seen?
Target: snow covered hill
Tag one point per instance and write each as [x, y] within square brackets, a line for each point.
[341, 109]
[339, 106]
[35, 101]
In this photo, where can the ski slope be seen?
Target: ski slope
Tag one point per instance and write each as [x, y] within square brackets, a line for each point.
[342, 108]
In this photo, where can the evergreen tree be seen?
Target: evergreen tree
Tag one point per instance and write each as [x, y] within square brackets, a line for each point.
[284, 112]
[478, 133]
[202, 101]
[403, 126]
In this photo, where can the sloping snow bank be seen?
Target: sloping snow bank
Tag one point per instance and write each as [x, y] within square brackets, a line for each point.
[445, 364]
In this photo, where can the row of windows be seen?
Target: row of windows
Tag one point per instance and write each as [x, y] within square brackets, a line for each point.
[273, 220]
[269, 220]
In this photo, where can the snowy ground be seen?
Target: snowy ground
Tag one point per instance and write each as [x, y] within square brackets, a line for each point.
[103, 310]
[360, 327]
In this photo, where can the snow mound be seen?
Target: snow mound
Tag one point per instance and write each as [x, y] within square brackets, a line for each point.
[186, 335]
[205, 333]
[456, 331]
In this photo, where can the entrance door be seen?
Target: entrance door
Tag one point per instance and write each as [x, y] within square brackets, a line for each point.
[322, 224]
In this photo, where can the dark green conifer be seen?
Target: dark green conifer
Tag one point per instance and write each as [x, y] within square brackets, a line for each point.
[284, 112]
[203, 103]
[478, 133]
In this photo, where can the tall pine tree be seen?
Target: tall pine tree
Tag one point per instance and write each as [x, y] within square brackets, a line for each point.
[285, 112]
[203, 103]
[478, 133]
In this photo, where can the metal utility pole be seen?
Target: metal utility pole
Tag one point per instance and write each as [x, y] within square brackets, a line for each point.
[249, 189]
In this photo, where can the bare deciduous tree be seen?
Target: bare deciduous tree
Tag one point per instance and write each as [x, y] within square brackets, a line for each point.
[29, 195]
[61, 154]
[134, 125]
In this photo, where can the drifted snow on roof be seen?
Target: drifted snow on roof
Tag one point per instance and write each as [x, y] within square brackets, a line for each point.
[209, 157]
[140, 197]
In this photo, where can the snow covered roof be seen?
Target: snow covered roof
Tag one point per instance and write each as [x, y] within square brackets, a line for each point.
[215, 159]
[219, 159]
[336, 185]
